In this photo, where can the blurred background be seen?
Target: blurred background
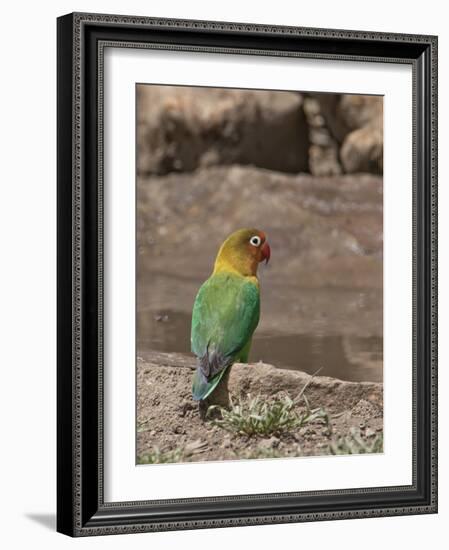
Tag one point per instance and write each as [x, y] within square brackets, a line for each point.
[306, 168]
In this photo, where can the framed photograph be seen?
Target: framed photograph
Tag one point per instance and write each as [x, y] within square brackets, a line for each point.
[247, 280]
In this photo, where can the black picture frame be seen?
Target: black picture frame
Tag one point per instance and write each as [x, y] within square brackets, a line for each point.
[81, 509]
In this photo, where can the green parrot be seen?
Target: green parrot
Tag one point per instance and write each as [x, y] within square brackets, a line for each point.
[226, 310]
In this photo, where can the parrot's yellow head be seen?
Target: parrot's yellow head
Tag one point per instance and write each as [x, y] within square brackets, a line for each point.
[242, 252]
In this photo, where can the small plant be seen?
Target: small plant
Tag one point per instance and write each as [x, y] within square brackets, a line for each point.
[261, 453]
[181, 454]
[143, 426]
[156, 456]
[354, 444]
[254, 416]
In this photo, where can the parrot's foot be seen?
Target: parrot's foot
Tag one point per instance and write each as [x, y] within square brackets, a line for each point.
[219, 396]
[202, 408]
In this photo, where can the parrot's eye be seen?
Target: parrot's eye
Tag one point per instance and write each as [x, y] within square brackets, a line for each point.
[256, 240]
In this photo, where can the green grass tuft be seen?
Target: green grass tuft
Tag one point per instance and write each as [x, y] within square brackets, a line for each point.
[180, 454]
[156, 456]
[254, 416]
[355, 444]
[261, 453]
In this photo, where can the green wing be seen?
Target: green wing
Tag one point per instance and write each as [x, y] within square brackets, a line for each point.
[225, 315]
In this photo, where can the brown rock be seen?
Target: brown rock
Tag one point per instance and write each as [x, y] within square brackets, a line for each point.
[323, 160]
[357, 111]
[355, 123]
[180, 129]
[329, 107]
[330, 393]
[267, 380]
[323, 151]
[362, 150]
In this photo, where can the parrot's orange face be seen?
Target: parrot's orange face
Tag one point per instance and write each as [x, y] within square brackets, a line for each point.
[242, 252]
[258, 247]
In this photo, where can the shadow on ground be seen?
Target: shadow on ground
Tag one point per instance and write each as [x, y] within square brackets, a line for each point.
[46, 520]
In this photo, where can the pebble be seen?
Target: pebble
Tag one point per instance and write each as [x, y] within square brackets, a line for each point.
[270, 443]
[179, 430]
[161, 318]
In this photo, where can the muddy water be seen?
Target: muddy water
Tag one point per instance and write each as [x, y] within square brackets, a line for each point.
[344, 356]
[321, 294]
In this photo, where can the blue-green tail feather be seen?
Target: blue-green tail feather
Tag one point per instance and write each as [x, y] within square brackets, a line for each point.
[201, 387]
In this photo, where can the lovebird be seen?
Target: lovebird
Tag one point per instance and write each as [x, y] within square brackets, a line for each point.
[227, 309]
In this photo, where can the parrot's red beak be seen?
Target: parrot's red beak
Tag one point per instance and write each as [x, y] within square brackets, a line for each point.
[266, 252]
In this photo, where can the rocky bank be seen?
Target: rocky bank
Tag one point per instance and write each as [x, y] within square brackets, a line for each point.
[180, 129]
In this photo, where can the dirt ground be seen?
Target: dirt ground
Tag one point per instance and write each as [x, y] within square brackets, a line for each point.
[170, 423]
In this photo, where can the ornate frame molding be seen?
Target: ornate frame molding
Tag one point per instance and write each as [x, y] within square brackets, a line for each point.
[81, 510]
